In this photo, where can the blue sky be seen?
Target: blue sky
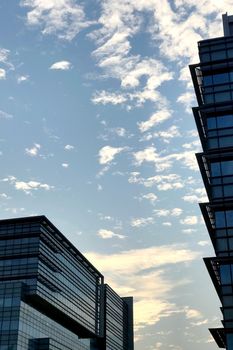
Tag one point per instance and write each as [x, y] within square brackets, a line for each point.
[97, 134]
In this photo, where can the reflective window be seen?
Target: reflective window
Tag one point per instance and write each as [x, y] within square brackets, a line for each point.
[221, 78]
[225, 274]
[229, 337]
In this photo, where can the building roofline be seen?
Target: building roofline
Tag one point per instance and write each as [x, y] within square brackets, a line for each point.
[42, 219]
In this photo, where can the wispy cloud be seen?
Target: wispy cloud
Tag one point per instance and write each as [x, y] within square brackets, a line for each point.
[104, 97]
[63, 18]
[27, 187]
[162, 162]
[5, 115]
[4, 55]
[107, 234]
[61, 65]
[168, 212]
[139, 222]
[155, 119]
[162, 182]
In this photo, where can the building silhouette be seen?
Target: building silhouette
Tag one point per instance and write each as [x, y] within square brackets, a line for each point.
[52, 297]
[213, 84]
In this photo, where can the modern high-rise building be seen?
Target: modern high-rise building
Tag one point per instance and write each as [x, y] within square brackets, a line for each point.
[52, 297]
[213, 84]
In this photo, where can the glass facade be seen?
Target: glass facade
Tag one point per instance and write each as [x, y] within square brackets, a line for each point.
[51, 296]
[213, 84]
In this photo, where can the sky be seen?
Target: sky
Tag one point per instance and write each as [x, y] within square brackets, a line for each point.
[97, 133]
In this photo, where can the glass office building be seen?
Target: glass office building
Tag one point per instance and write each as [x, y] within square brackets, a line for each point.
[52, 297]
[213, 84]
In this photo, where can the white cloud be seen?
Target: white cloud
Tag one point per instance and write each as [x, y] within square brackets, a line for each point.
[2, 74]
[155, 119]
[168, 212]
[63, 18]
[4, 54]
[139, 222]
[192, 145]
[61, 65]
[162, 162]
[189, 220]
[167, 223]
[161, 212]
[22, 78]
[104, 97]
[151, 197]
[65, 165]
[33, 151]
[176, 211]
[107, 153]
[106, 234]
[163, 182]
[69, 147]
[192, 313]
[167, 134]
[197, 195]
[189, 231]
[203, 243]
[27, 187]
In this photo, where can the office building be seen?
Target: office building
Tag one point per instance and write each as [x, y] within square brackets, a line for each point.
[213, 84]
[52, 297]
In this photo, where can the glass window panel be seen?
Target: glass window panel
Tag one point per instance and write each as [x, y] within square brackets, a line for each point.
[207, 80]
[222, 244]
[225, 121]
[218, 55]
[212, 133]
[220, 219]
[229, 217]
[230, 53]
[228, 190]
[213, 143]
[220, 233]
[205, 57]
[220, 78]
[222, 96]
[209, 98]
[215, 169]
[228, 313]
[227, 179]
[226, 141]
[230, 243]
[228, 300]
[227, 167]
[229, 340]
[225, 274]
[211, 123]
[217, 191]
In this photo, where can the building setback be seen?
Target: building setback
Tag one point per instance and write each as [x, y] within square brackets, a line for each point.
[213, 84]
[52, 297]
